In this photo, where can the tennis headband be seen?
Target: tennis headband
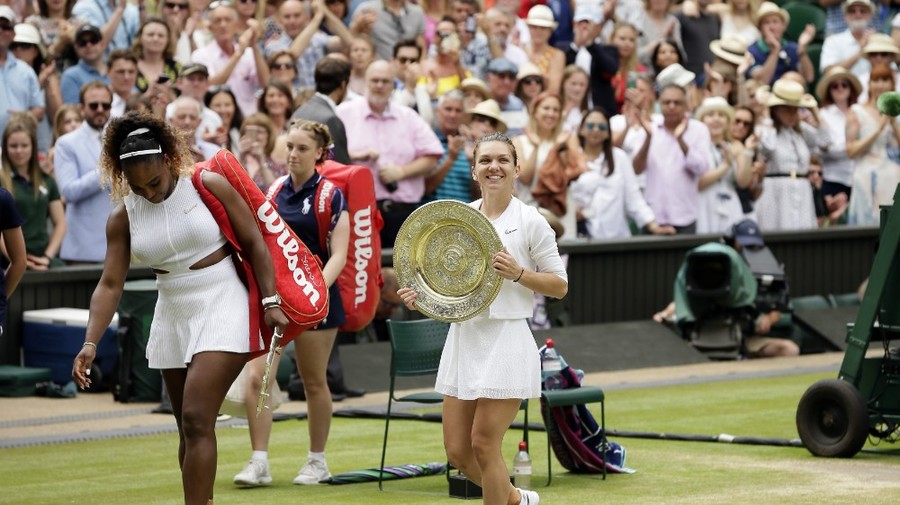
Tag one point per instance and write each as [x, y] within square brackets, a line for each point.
[143, 152]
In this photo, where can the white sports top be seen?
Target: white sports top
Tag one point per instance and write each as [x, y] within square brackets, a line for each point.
[174, 234]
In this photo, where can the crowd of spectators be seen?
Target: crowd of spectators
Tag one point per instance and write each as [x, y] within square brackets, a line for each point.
[628, 116]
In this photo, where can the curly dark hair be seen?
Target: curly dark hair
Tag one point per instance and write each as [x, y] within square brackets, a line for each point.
[175, 153]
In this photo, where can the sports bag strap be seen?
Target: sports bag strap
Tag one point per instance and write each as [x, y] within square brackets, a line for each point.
[323, 210]
[275, 188]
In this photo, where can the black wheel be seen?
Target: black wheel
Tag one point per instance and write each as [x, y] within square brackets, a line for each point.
[832, 419]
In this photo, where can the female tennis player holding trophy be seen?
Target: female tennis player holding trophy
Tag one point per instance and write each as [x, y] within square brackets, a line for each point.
[490, 362]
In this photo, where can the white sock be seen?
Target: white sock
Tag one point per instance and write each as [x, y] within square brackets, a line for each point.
[262, 456]
[318, 456]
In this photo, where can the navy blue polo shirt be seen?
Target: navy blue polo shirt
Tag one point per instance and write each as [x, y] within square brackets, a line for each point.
[9, 218]
[298, 211]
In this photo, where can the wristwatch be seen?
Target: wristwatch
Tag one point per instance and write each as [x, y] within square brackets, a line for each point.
[274, 300]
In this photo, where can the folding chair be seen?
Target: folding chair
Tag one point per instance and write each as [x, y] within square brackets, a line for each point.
[416, 348]
[565, 398]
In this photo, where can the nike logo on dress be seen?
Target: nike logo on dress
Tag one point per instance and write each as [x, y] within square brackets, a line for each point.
[190, 209]
[507, 232]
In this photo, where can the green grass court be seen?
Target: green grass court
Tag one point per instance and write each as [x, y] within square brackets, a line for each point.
[143, 470]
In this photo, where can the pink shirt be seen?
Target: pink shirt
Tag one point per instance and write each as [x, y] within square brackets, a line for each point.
[399, 135]
[672, 176]
[243, 81]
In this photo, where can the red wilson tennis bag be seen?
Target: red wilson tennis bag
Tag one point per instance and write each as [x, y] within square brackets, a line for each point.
[298, 274]
[360, 281]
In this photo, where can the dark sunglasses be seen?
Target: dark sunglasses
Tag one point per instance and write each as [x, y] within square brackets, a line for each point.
[332, 2]
[484, 119]
[745, 122]
[87, 41]
[839, 85]
[533, 79]
[218, 89]
[175, 5]
[100, 105]
[6, 27]
[247, 1]
[509, 76]
[15, 46]
[282, 66]
[596, 126]
[406, 61]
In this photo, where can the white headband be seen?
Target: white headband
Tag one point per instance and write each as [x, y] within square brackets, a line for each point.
[144, 152]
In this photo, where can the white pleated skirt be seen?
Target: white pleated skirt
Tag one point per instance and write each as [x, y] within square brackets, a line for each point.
[490, 358]
[197, 311]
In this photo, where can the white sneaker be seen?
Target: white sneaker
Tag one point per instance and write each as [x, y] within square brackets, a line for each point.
[529, 497]
[256, 473]
[313, 472]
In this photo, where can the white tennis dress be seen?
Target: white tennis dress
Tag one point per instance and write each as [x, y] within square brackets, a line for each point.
[494, 355]
[197, 310]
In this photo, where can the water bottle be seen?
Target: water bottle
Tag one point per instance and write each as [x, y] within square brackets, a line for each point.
[551, 365]
[522, 467]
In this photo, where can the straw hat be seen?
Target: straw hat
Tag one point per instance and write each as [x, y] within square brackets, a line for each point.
[674, 74]
[475, 83]
[27, 33]
[487, 108]
[880, 43]
[714, 103]
[848, 3]
[528, 69]
[541, 15]
[767, 8]
[834, 73]
[731, 49]
[790, 93]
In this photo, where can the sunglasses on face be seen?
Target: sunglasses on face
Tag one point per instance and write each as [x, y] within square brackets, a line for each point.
[175, 6]
[100, 105]
[406, 61]
[839, 85]
[247, 1]
[87, 41]
[596, 126]
[282, 66]
[15, 46]
[745, 122]
[507, 76]
[484, 119]
[332, 2]
[532, 80]
[220, 3]
[6, 27]
[219, 89]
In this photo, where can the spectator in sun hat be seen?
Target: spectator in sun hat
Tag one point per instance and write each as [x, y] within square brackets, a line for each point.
[846, 48]
[548, 59]
[28, 48]
[838, 90]
[501, 81]
[22, 92]
[880, 49]
[772, 54]
[475, 91]
[102, 13]
[730, 49]
[786, 143]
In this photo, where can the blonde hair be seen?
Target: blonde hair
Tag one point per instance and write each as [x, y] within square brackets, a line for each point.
[318, 131]
[631, 63]
[260, 119]
[60, 118]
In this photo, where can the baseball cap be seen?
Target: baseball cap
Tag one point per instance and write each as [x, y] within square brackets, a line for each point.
[747, 233]
[194, 68]
[502, 66]
[88, 28]
[587, 13]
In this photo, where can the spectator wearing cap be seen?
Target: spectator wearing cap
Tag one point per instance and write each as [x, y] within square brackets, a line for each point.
[21, 89]
[395, 20]
[119, 20]
[548, 59]
[193, 82]
[397, 145]
[75, 161]
[332, 79]
[237, 62]
[502, 84]
[27, 47]
[599, 60]
[302, 36]
[838, 90]
[785, 142]
[845, 49]
[836, 22]
[452, 177]
[681, 77]
[772, 54]
[674, 156]
[879, 49]
[698, 29]
[122, 79]
[91, 65]
[497, 25]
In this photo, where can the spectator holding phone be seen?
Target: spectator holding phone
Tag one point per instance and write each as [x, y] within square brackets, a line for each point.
[155, 50]
[257, 142]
